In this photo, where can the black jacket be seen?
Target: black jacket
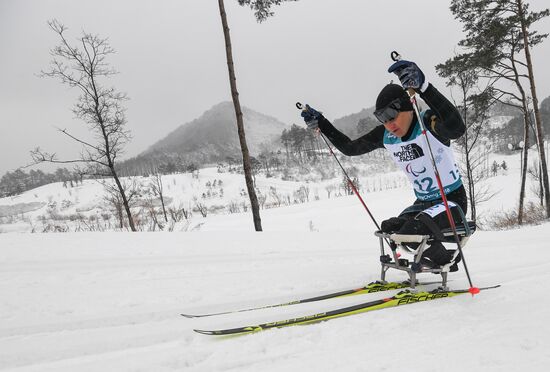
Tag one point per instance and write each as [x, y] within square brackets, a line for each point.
[442, 119]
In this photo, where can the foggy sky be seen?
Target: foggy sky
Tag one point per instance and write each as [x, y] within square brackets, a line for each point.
[171, 58]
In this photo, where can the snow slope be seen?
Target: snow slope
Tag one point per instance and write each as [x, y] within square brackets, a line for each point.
[110, 302]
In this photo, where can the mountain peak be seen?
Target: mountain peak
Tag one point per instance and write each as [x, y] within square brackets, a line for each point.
[213, 136]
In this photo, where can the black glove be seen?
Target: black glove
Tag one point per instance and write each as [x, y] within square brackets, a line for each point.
[410, 75]
[311, 117]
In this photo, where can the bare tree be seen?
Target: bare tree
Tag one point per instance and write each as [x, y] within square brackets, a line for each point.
[262, 198]
[277, 199]
[113, 197]
[474, 107]
[179, 213]
[262, 12]
[83, 66]
[240, 124]
[537, 187]
[200, 207]
[151, 210]
[157, 189]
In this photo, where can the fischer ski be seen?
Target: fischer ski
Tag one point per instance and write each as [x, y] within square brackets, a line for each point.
[402, 298]
[369, 288]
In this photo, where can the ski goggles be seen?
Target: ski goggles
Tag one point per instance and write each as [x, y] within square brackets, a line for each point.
[389, 112]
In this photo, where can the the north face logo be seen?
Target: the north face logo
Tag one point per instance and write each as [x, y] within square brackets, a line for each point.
[409, 152]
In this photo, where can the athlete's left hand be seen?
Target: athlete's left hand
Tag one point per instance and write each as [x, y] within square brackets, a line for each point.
[410, 75]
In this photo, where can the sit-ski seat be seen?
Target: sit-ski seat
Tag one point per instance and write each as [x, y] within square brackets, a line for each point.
[399, 241]
[462, 231]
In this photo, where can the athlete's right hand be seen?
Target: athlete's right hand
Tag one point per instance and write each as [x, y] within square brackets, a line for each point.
[311, 117]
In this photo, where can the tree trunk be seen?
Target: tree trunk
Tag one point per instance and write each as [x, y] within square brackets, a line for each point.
[124, 200]
[254, 205]
[538, 120]
[163, 208]
[526, 120]
[158, 180]
[110, 158]
[118, 207]
[470, 174]
[525, 159]
[541, 186]
[467, 153]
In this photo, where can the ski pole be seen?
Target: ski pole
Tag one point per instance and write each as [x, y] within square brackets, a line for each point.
[352, 185]
[412, 94]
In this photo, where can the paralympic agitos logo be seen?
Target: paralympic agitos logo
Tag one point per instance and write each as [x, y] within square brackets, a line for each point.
[415, 173]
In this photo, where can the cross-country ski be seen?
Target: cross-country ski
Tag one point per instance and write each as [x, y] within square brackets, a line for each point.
[402, 298]
[374, 287]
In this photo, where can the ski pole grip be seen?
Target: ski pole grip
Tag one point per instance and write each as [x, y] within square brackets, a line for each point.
[299, 106]
[395, 56]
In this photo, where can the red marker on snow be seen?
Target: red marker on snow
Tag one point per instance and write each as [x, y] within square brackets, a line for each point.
[473, 290]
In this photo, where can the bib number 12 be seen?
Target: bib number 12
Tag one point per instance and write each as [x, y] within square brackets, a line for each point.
[425, 184]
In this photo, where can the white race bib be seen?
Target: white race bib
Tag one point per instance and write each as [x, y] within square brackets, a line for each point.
[437, 209]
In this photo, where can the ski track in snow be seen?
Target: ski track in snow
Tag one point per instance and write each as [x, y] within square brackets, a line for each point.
[111, 302]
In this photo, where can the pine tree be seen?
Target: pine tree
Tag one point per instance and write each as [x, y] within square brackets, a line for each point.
[498, 34]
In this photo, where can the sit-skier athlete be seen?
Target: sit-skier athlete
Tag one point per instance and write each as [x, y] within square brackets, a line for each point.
[400, 133]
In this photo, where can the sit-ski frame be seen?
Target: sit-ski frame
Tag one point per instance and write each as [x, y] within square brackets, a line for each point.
[412, 268]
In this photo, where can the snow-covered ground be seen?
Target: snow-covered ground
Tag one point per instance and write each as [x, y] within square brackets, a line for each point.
[28, 211]
[111, 301]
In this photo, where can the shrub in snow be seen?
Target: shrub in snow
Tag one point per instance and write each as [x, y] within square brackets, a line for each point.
[533, 214]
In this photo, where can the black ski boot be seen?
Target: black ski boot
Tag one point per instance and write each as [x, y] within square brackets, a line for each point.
[454, 266]
[437, 254]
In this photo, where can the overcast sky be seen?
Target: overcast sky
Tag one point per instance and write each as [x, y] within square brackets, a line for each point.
[171, 58]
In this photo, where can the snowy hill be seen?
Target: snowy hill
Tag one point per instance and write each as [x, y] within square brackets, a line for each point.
[348, 123]
[213, 136]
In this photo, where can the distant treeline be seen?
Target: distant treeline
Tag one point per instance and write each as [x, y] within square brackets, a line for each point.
[18, 181]
[155, 163]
